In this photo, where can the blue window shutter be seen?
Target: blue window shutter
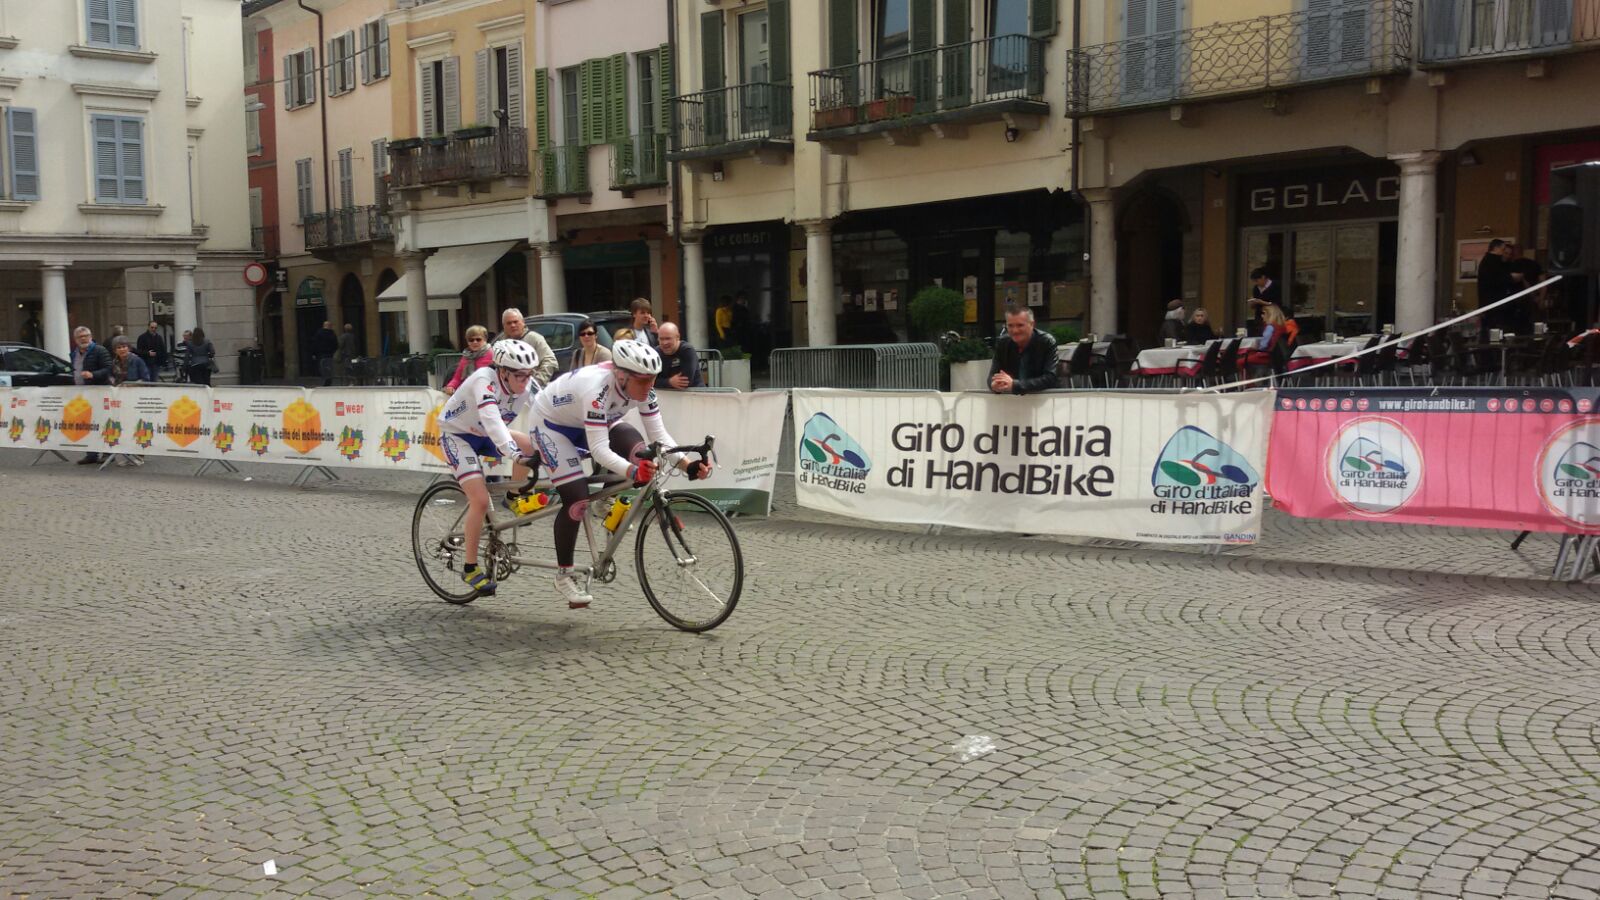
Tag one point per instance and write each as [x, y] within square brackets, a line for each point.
[99, 17]
[132, 150]
[21, 128]
[125, 24]
[107, 183]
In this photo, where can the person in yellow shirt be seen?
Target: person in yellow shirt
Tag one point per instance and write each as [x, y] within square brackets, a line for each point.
[724, 320]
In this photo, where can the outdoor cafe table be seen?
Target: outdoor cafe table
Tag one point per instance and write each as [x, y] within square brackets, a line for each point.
[1159, 361]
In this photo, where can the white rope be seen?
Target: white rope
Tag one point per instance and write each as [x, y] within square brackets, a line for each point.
[1392, 341]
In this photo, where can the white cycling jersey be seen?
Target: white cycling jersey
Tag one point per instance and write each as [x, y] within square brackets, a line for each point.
[483, 408]
[583, 405]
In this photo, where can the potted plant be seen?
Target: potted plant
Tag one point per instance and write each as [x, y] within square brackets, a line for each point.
[835, 117]
[472, 130]
[969, 360]
[890, 107]
[410, 143]
[734, 369]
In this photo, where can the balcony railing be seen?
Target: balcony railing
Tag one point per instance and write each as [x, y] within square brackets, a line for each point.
[638, 162]
[264, 241]
[501, 153]
[755, 112]
[944, 79]
[1465, 30]
[346, 227]
[1346, 40]
[561, 171]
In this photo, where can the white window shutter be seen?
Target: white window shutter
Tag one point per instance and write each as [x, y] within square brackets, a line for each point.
[255, 208]
[308, 76]
[430, 100]
[21, 128]
[349, 60]
[452, 93]
[330, 77]
[481, 60]
[513, 101]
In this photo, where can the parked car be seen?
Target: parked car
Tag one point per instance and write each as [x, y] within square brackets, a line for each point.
[24, 365]
[561, 330]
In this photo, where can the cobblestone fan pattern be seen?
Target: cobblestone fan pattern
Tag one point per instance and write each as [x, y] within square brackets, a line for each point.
[200, 675]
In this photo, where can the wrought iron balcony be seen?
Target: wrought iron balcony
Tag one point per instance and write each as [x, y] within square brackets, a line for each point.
[264, 241]
[1346, 40]
[475, 156]
[347, 227]
[967, 81]
[732, 121]
[639, 162]
[1461, 31]
[561, 171]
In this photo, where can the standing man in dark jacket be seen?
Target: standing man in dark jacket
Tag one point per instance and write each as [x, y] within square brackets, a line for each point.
[152, 349]
[324, 344]
[91, 364]
[1026, 363]
[1494, 283]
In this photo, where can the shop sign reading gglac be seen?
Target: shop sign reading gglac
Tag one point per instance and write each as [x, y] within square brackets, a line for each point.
[1309, 195]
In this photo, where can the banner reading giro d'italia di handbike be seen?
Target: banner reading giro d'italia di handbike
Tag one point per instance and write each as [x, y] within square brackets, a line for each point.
[1520, 458]
[1160, 468]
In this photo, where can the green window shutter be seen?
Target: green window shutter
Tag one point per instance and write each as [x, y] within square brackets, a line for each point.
[617, 97]
[666, 87]
[592, 90]
[843, 44]
[1042, 17]
[923, 26]
[957, 61]
[541, 108]
[778, 39]
[711, 56]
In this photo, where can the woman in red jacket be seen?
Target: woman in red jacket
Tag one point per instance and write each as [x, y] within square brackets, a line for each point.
[475, 357]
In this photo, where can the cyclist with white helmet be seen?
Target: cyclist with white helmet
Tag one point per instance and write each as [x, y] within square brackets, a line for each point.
[582, 410]
[474, 426]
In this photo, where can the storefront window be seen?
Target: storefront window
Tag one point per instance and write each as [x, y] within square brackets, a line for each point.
[873, 284]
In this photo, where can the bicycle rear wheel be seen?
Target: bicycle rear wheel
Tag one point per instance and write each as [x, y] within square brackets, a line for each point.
[689, 562]
[439, 541]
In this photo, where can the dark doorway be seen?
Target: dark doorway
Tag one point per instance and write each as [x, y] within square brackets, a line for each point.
[1149, 263]
[308, 320]
[272, 334]
[353, 307]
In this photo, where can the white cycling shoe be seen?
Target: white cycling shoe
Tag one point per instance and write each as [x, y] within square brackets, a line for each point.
[568, 588]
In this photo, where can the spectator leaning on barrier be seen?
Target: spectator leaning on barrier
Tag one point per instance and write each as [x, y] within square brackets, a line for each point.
[1026, 363]
[478, 355]
[589, 350]
[153, 348]
[126, 365]
[91, 364]
[514, 326]
[680, 364]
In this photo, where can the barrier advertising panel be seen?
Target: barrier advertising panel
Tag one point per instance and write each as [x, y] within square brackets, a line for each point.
[1157, 468]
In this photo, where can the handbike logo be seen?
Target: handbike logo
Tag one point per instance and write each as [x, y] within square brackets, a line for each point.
[1374, 466]
[1199, 475]
[1569, 473]
[830, 458]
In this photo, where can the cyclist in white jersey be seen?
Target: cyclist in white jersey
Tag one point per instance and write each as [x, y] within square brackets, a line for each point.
[582, 411]
[474, 425]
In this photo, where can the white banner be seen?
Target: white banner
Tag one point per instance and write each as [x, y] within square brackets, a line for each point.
[1159, 468]
[748, 429]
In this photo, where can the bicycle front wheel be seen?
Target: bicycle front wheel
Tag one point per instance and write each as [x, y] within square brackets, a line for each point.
[439, 541]
[689, 562]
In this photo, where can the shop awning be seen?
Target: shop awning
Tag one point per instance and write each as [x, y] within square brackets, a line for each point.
[448, 273]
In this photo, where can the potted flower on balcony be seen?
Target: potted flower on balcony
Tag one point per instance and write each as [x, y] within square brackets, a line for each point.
[410, 143]
[472, 130]
[836, 117]
[892, 107]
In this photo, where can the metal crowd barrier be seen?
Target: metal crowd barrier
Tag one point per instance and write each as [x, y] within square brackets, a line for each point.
[857, 367]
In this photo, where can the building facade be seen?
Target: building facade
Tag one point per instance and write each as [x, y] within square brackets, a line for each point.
[124, 171]
[261, 150]
[331, 123]
[839, 156]
[1362, 152]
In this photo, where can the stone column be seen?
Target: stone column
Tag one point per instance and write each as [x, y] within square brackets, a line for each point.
[1417, 268]
[419, 335]
[184, 313]
[822, 324]
[693, 311]
[552, 278]
[1102, 261]
[57, 335]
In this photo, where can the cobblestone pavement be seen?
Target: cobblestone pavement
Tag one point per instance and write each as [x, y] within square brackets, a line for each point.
[201, 675]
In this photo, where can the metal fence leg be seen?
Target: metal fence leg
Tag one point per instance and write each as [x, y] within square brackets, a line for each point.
[1559, 569]
[43, 453]
[1517, 541]
[308, 471]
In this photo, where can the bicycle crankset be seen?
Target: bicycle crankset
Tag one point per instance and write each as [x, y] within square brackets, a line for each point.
[606, 573]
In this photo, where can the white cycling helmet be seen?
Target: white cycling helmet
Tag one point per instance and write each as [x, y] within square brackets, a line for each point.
[514, 354]
[637, 357]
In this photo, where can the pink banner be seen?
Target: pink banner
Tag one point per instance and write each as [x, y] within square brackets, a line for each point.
[1513, 458]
